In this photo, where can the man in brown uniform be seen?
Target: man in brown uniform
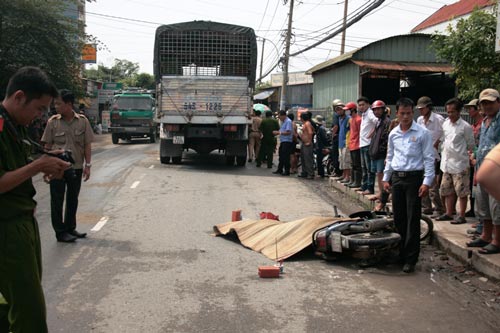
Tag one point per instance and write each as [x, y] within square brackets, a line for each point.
[254, 136]
[70, 131]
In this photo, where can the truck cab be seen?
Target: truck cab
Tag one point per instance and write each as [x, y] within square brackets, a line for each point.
[132, 116]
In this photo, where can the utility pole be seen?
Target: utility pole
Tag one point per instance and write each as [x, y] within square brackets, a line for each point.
[262, 60]
[286, 58]
[344, 23]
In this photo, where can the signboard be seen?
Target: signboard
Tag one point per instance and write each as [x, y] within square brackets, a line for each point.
[105, 121]
[105, 96]
[497, 39]
[293, 79]
[89, 54]
[112, 85]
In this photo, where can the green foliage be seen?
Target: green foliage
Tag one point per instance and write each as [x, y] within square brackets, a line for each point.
[123, 71]
[470, 48]
[36, 33]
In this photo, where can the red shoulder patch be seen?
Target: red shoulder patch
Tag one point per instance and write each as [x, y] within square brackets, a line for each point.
[1, 124]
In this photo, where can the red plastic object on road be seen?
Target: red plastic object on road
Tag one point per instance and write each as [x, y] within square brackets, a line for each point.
[269, 271]
[236, 216]
[269, 216]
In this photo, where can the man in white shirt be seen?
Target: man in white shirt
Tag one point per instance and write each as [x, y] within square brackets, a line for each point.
[434, 123]
[368, 123]
[458, 140]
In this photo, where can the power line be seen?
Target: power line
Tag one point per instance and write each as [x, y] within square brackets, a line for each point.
[348, 24]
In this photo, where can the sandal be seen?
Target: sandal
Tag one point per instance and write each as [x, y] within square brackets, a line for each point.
[379, 208]
[479, 242]
[459, 220]
[490, 249]
[444, 217]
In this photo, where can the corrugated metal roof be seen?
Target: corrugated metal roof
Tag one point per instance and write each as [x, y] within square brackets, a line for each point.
[264, 94]
[449, 12]
[405, 66]
[402, 48]
[331, 62]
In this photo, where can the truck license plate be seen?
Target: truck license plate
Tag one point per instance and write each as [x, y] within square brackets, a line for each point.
[335, 241]
[178, 140]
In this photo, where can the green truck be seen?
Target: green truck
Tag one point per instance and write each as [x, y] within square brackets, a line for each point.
[132, 116]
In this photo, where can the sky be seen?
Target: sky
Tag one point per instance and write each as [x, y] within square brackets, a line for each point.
[127, 27]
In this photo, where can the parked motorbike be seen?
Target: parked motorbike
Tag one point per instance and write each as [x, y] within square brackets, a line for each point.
[367, 235]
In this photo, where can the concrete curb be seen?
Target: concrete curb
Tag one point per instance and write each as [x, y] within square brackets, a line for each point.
[450, 238]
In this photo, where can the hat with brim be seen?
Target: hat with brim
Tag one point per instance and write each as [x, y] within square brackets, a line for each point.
[473, 103]
[423, 102]
[489, 95]
[318, 119]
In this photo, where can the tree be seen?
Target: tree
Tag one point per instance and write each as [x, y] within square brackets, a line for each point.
[36, 33]
[123, 71]
[470, 48]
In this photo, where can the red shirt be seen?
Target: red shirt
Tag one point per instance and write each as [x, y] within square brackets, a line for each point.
[355, 124]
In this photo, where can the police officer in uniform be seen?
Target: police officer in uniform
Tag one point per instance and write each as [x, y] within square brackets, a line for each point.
[72, 132]
[22, 306]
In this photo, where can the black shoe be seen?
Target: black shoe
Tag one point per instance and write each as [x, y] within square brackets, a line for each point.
[470, 213]
[302, 175]
[249, 160]
[65, 238]
[409, 268]
[286, 173]
[277, 172]
[353, 185]
[77, 234]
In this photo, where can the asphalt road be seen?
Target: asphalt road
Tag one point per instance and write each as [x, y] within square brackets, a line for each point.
[151, 263]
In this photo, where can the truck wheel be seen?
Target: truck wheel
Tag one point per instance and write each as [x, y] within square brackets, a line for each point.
[114, 138]
[176, 159]
[229, 160]
[152, 138]
[241, 160]
[164, 159]
[375, 239]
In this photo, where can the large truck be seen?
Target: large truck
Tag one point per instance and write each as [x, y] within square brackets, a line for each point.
[131, 116]
[205, 76]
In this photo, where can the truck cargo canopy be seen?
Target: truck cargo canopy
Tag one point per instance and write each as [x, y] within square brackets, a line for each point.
[205, 48]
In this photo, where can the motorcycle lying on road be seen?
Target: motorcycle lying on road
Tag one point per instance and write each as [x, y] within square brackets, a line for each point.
[367, 235]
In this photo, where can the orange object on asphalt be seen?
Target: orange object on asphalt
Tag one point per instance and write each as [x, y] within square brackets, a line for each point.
[236, 216]
[269, 271]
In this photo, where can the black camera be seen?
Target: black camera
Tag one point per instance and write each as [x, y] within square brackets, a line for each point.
[66, 156]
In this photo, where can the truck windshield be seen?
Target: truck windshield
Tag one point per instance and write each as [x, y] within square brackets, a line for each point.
[133, 103]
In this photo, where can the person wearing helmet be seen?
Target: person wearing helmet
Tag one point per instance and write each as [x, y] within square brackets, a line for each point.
[368, 122]
[434, 123]
[334, 151]
[353, 145]
[378, 144]
[344, 155]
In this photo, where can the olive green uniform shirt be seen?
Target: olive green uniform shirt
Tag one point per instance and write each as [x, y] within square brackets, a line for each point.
[72, 136]
[14, 154]
[267, 126]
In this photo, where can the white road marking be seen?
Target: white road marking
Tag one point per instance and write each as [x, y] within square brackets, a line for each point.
[100, 224]
[151, 166]
[135, 184]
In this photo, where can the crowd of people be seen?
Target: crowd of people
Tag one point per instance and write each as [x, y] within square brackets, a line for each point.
[427, 164]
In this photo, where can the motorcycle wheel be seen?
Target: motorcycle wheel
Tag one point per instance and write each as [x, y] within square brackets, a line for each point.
[426, 227]
[374, 239]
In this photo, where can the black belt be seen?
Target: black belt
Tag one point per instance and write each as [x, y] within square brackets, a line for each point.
[404, 174]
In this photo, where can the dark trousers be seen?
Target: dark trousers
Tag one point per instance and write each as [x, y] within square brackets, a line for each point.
[286, 149]
[368, 177]
[334, 156]
[356, 166]
[407, 212]
[20, 277]
[266, 152]
[319, 162]
[59, 188]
